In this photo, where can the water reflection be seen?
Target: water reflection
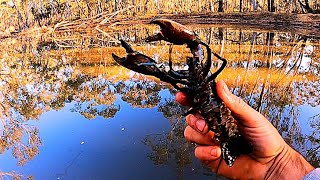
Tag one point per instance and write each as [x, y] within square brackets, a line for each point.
[141, 93]
[276, 73]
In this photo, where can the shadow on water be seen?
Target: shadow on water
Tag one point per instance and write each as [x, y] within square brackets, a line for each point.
[42, 84]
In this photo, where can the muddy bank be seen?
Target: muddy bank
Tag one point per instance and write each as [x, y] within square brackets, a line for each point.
[304, 24]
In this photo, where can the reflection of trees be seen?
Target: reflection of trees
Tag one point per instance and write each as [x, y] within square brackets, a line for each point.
[35, 83]
[12, 137]
[31, 84]
[307, 92]
[141, 93]
[13, 175]
[172, 149]
[96, 98]
[241, 48]
[170, 109]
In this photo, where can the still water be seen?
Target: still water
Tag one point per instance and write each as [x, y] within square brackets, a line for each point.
[69, 112]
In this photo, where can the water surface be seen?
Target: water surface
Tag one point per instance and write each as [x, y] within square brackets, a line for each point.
[69, 112]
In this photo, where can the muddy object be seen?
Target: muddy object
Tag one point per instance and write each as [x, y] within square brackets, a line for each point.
[197, 81]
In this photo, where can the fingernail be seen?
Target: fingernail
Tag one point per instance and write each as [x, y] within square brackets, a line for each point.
[215, 152]
[200, 124]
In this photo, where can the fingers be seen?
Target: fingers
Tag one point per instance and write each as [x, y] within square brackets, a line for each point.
[182, 98]
[207, 153]
[194, 136]
[198, 123]
[195, 121]
[246, 115]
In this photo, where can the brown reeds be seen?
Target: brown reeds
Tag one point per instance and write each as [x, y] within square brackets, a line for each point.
[66, 33]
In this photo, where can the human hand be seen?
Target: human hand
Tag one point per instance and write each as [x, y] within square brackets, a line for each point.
[272, 157]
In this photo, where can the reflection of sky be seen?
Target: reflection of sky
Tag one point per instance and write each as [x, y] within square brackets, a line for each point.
[77, 148]
[306, 112]
[303, 63]
[305, 117]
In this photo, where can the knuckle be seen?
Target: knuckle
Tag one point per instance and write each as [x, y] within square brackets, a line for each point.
[197, 153]
[201, 154]
[191, 120]
[188, 119]
[187, 133]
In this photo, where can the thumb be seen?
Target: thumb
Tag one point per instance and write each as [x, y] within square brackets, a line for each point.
[245, 115]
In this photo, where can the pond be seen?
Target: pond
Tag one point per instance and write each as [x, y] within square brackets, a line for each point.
[68, 111]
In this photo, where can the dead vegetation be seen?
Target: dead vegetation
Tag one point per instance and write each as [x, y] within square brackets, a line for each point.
[67, 33]
[70, 19]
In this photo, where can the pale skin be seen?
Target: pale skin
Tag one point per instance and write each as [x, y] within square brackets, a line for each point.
[272, 157]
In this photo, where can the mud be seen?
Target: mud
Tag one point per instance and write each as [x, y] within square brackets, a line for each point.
[304, 24]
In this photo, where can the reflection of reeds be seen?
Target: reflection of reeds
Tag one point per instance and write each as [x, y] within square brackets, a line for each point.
[235, 51]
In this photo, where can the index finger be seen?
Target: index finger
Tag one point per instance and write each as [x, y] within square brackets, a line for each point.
[183, 99]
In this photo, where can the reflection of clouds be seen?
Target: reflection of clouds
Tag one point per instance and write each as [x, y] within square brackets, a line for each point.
[11, 175]
[300, 61]
[307, 92]
[308, 50]
[304, 65]
[96, 97]
[140, 93]
[64, 73]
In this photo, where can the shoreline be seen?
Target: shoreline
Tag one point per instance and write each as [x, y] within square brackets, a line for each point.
[307, 25]
[304, 24]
